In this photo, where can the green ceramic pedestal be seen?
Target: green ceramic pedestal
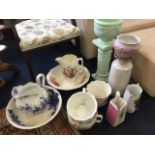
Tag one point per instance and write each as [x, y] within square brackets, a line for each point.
[103, 60]
[106, 30]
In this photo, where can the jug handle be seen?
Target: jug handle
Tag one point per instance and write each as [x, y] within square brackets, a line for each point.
[117, 94]
[16, 91]
[40, 79]
[81, 61]
[57, 59]
[99, 118]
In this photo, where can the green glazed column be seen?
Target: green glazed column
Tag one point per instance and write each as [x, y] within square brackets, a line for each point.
[102, 70]
[106, 30]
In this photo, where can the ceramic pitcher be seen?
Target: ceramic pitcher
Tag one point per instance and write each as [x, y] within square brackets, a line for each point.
[132, 96]
[116, 110]
[69, 64]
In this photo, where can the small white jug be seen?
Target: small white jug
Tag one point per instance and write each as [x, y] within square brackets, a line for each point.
[132, 96]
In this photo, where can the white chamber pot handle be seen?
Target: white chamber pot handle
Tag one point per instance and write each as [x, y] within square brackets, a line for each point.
[84, 90]
[80, 60]
[40, 79]
[99, 118]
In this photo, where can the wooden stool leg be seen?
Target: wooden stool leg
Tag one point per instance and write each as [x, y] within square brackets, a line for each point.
[77, 44]
[8, 67]
[29, 66]
[2, 82]
[77, 40]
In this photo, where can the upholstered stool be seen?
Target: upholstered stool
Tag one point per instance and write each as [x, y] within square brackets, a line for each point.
[36, 33]
[40, 32]
[144, 62]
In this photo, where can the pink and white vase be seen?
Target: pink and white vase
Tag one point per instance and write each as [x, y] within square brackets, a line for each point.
[126, 45]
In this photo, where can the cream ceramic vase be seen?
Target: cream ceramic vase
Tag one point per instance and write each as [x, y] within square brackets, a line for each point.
[120, 73]
[106, 30]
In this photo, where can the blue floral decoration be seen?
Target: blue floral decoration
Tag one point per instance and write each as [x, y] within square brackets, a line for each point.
[35, 109]
[51, 102]
[15, 118]
[53, 99]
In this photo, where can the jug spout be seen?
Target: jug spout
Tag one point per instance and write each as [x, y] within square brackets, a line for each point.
[58, 59]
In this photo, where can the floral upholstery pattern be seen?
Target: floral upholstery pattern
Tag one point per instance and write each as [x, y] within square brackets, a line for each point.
[39, 32]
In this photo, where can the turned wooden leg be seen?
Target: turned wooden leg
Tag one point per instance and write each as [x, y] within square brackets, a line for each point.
[29, 66]
[2, 27]
[77, 44]
[2, 82]
[8, 67]
[77, 39]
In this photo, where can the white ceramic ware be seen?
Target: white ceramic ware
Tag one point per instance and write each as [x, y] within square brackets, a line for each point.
[22, 120]
[82, 111]
[116, 110]
[126, 45]
[69, 64]
[119, 76]
[132, 96]
[3, 47]
[101, 90]
[30, 98]
[56, 78]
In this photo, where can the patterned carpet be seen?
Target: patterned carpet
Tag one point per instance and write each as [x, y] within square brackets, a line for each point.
[59, 126]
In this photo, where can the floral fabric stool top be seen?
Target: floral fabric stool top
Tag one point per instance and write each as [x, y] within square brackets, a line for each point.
[39, 32]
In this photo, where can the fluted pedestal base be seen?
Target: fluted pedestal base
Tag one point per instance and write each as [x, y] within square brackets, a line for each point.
[100, 77]
[103, 59]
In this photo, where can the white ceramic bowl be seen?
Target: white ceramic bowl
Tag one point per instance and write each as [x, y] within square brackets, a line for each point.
[101, 90]
[82, 110]
[56, 79]
[22, 120]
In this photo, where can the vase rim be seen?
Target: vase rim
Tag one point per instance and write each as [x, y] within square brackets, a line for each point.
[136, 39]
[109, 21]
